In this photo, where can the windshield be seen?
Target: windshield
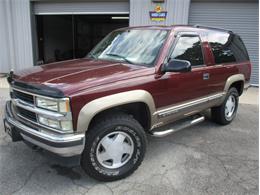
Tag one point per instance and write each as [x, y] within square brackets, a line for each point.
[131, 46]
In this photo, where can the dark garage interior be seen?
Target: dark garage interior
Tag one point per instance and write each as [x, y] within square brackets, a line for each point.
[64, 37]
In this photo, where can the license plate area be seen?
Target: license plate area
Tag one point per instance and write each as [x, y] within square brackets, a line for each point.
[14, 134]
[8, 128]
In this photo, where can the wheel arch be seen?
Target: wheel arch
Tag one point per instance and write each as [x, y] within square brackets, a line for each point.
[236, 81]
[111, 102]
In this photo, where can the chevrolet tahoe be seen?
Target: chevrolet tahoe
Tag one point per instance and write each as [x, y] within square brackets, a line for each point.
[137, 81]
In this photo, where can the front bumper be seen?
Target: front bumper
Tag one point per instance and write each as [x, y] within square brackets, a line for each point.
[65, 145]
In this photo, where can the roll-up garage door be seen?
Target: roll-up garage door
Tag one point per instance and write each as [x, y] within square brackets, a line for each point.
[240, 17]
[70, 8]
[70, 29]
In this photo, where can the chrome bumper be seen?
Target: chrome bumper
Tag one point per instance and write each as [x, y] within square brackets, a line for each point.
[62, 144]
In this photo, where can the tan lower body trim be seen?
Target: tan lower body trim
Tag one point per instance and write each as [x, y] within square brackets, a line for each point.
[182, 110]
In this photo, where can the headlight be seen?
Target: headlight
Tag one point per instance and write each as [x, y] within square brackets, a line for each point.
[63, 125]
[54, 105]
[57, 105]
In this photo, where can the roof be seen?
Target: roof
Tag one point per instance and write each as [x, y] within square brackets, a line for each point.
[183, 27]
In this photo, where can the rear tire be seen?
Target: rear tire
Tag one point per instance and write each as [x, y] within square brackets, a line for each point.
[226, 112]
[114, 149]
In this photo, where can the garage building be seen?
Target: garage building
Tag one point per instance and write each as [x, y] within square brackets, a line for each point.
[37, 32]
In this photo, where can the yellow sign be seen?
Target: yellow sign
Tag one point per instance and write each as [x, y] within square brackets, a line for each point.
[158, 9]
[158, 14]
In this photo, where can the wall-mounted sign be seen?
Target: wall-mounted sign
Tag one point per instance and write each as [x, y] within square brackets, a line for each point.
[158, 14]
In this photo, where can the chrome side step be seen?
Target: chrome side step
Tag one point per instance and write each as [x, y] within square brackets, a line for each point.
[176, 126]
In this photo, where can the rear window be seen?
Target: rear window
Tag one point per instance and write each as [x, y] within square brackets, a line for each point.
[227, 48]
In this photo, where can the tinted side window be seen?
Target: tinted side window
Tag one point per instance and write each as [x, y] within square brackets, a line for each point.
[188, 48]
[220, 43]
[239, 50]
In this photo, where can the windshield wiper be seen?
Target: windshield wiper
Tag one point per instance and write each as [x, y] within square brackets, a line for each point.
[123, 57]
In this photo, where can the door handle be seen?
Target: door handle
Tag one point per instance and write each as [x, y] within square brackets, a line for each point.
[205, 76]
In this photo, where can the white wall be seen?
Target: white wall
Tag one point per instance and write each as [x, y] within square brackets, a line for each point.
[5, 58]
[15, 35]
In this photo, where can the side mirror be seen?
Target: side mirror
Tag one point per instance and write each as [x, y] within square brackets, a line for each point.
[175, 65]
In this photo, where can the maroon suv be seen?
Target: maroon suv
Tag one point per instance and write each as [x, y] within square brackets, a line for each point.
[133, 83]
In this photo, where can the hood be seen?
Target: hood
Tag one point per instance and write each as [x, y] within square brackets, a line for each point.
[76, 75]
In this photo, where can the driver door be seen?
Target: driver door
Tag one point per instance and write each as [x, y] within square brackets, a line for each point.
[181, 89]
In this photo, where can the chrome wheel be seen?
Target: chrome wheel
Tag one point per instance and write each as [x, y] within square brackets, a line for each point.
[115, 150]
[230, 107]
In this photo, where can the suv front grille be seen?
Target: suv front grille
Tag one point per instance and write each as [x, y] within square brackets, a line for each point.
[23, 96]
[27, 114]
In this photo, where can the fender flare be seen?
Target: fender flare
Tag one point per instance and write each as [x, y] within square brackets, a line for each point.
[91, 109]
[232, 79]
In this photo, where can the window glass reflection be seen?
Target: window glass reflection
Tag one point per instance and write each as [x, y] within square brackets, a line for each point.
[220, 43]
[133, 46]
[188, 48]
[227, 47]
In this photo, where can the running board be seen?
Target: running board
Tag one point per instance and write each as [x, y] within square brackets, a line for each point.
[178, 125]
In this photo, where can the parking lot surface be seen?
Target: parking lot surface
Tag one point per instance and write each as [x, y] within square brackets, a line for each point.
[204, 159]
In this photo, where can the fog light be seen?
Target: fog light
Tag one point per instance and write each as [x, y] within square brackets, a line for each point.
[59, 125]
[49, 122]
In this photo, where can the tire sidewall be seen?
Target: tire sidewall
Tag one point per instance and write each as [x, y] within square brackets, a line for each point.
[233, 92]
[138, 138]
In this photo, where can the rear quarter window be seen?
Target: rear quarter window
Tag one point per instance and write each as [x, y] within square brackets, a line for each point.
[239, 50]
[227, 48]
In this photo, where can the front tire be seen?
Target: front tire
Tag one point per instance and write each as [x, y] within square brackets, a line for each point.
[226, 112]
[114, 148]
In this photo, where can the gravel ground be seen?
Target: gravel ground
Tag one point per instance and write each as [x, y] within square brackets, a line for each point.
[204, 159]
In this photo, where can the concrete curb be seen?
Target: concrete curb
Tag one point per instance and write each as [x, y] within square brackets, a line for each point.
[251, 96]
[3, 83]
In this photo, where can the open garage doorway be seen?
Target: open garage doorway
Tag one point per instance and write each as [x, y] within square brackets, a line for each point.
[64, 37]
